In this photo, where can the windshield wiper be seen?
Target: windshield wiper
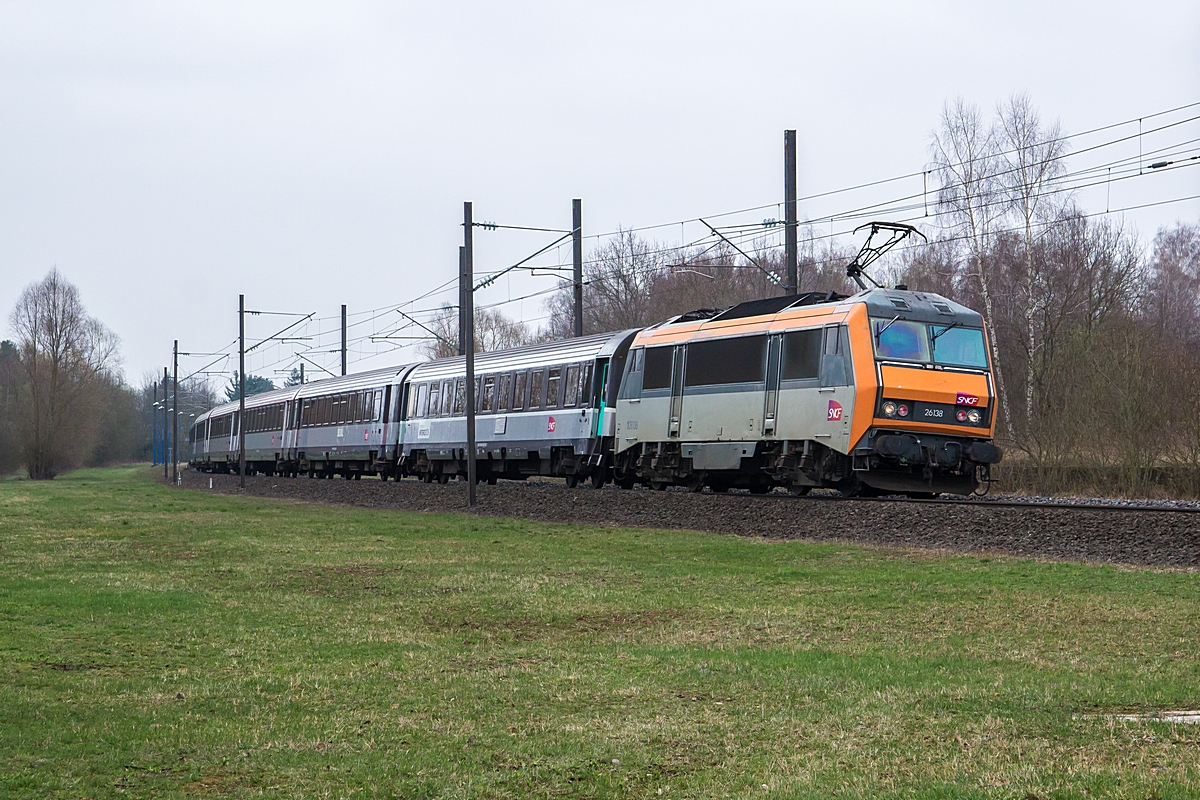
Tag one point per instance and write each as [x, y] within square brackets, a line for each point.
[945, 329]
[879, 332]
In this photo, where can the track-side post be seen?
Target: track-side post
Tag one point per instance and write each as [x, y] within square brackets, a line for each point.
[175, 418]
[791, 256]
[242, 390]
[467, 278]
[577, 261]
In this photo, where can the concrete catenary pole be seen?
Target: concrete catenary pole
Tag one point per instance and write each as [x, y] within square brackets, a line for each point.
[343, 339]
[242, 390]
[175, 419]
[791, 256]
[166, 425]
[577, 259]
[466, 282]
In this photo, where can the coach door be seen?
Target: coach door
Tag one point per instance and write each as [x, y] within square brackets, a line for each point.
[678, 363]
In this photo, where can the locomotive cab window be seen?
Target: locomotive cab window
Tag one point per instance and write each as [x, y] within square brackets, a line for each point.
[901, 340]
[962, 347]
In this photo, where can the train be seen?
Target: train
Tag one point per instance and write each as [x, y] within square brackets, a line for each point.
[886, 391]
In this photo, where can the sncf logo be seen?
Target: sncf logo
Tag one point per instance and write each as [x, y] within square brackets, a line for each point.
[966, 400]
[551, 424]
[835, 411]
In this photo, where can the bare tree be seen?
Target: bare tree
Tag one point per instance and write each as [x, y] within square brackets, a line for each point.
[65, 355]
[1030, 160]
[965, 153]
[619, 280]
[493, 331]
[1174, 287]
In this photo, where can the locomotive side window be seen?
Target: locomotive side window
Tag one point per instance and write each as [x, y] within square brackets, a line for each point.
[802, 354]
[519, 386]
[723, 361]
[831, 341]
[572, 386]
[536, 384]
[657, 371]
[553, 386]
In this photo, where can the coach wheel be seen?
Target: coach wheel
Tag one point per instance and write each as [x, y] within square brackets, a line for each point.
[658, 486]
[491, 480]
[761, 487]
[357, 476]
[572, 480]
[719, 486]
[443, 477]
[598, 478]
[695, 482]
[796, 490]
[383, 475]
[426, 476]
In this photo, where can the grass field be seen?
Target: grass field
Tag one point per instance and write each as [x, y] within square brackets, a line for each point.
[156, 642]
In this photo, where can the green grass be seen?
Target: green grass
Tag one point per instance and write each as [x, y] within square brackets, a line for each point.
[156, 642]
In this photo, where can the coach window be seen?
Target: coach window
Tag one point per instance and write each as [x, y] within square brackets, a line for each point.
[802, 355]
[657, 372]
[723, 361]
[447, 397]
[422, 399]
[505, 392]
[352, 407]
[553, 386]
[460, 396]
[585, 385]
[572, 386]
[520, 383]
[537, 384]
[488, 401]
[434, 398]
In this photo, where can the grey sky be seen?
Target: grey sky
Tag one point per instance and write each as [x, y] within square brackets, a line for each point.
[167, 157]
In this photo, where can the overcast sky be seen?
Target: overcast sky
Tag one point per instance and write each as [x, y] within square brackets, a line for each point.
[167, 157]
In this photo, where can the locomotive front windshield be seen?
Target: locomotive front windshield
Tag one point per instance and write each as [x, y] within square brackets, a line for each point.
[949, 345]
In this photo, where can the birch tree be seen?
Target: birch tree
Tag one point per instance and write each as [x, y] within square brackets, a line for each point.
[1030, 160]
[967, 161]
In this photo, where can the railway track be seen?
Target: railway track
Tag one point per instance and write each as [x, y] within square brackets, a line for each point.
[980, 502]
[1031, 528]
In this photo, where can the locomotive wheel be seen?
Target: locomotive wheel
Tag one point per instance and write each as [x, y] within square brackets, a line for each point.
[598, 478]
[627, 482]
[795, 490]
[695, 483]
[426, 477]
[491, 480]
[443, 477]
[658, 486]
[357, 476]
[761, 487]
[383, 476]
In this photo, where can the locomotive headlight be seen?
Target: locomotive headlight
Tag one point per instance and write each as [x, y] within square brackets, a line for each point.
[889, 409]
[974, 416]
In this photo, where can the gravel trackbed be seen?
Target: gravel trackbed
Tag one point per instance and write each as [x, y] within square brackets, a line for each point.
[1160, 539]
